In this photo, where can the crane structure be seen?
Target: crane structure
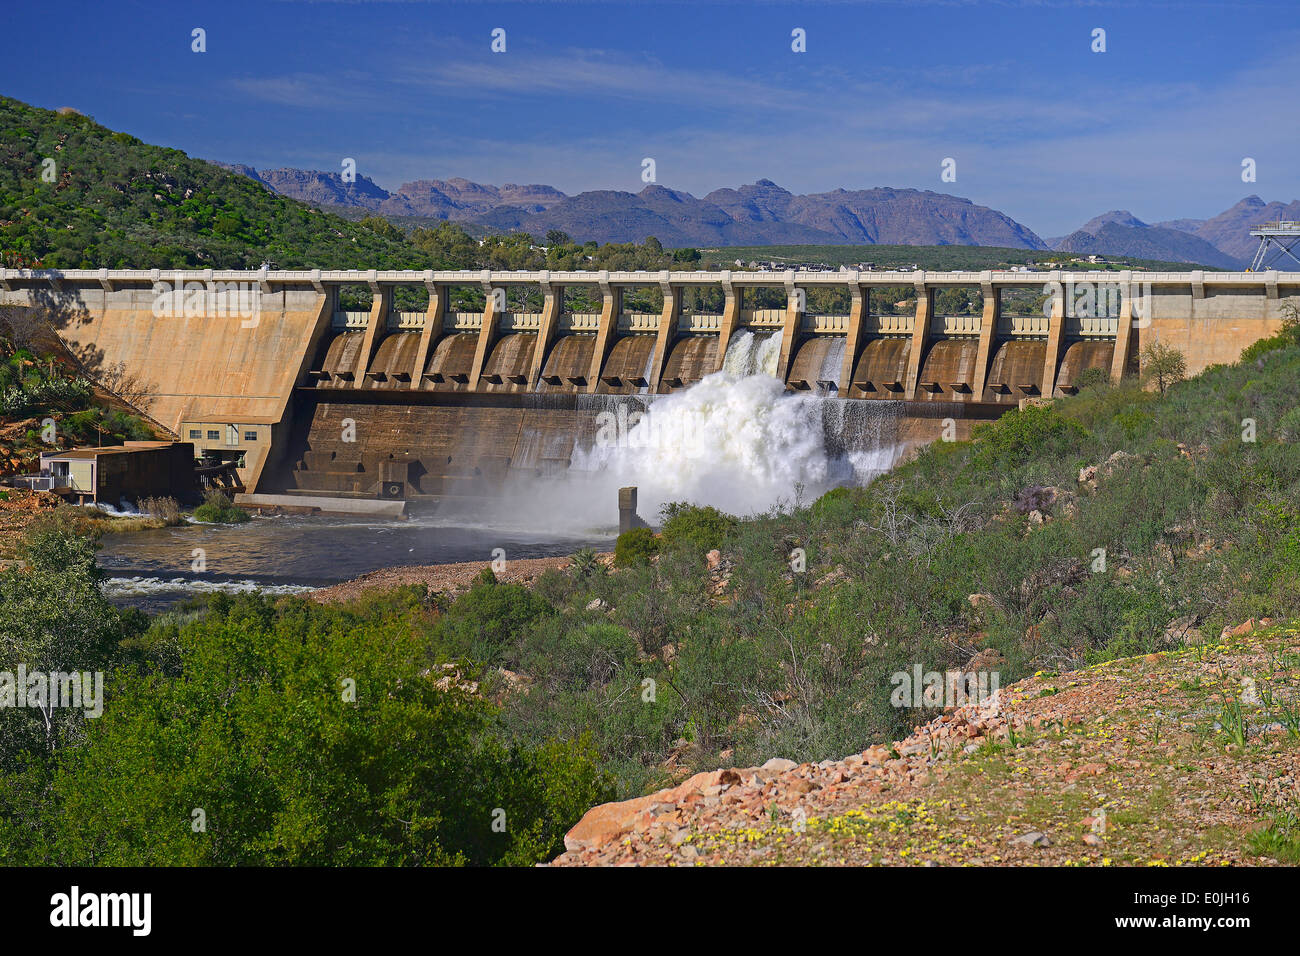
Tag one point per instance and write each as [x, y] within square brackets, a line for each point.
[1278, 239]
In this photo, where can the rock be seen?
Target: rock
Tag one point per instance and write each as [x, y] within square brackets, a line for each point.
[1033, 839]
[714, 558]
[596, 604]
[1087, 770]
[988, 659]
[1182, 629]
[875, 756]
[835, 576]
[780, 765]
[610, 821]
[1243, 628]
[1115, 461]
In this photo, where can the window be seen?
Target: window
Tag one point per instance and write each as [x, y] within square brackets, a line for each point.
[195, 433]
[214, 435]
[250, 436]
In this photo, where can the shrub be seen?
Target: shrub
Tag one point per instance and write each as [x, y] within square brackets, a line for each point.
[838, 504]
[1287, 337]
[217, 509]
[634, 547]
[1288, 426]
[164, 509]
[584, 564]
[414, 772]
[1164, 365]
[1092, 378]
[487, 620]
[695, 528]
[1019, 435]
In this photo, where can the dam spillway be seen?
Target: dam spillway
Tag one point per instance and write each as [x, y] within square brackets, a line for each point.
[500, 377]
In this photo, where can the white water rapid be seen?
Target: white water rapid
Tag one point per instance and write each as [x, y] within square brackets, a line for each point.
[735, 440]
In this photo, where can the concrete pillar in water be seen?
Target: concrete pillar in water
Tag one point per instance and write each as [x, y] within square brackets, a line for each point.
[493, 310]
[432, 330]
[733, 302]
[792, 331]
[552, 307]
[627, 516]
[607, 331]
[667, 334]
[860, 301]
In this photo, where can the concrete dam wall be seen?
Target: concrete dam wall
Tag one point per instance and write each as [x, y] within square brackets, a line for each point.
[267, 369]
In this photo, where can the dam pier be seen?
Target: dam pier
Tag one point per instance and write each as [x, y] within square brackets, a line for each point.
[494, 375]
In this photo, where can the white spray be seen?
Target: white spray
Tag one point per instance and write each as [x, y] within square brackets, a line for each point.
[735, 440]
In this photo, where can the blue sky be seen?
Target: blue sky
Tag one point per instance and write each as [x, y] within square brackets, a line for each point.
[1041, 127]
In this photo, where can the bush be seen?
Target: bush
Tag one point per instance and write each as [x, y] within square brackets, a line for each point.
[1287, 337]
[1164, 365]
[585, 564]
[1092, 378]
[1017, 436]
[635, 547]
[217, 509]
[487, 621]
[694, 528]
[406, 770]
[165, 510]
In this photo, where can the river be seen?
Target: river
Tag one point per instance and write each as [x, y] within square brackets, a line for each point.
[290, 554]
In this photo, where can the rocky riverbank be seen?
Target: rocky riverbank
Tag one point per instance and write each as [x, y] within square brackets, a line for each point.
[444, 577]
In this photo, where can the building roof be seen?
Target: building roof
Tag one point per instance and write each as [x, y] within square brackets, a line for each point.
[90, 454]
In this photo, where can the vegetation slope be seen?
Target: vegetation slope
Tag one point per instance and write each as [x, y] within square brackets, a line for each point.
[405, 727]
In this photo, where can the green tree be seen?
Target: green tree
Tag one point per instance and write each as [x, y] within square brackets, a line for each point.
[299, 734]
[1162, 364]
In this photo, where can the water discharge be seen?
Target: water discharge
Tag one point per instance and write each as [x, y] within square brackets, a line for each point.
[736, 440]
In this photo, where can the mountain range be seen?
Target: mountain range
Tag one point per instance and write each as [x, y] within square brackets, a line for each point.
[764, 213]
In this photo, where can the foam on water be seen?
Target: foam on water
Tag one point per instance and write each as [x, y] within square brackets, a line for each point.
[139, 585]
[735, 440]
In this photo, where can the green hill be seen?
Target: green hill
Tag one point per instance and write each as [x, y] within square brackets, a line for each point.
[74, 194]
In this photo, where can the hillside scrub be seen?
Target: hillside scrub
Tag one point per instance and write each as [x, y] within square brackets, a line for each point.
[1111, 523]
[36, 389]
[1062, 535]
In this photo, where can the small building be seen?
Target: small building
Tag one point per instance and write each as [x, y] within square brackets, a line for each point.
[135, 470]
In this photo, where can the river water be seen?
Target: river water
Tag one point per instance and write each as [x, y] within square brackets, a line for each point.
[290, 554]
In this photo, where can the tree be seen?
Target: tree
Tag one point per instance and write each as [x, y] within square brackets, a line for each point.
[558, 237]
[53, 617]
[1162, 364]
[291, 733]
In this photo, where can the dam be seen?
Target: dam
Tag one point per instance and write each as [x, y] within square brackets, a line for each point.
[452, 385]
